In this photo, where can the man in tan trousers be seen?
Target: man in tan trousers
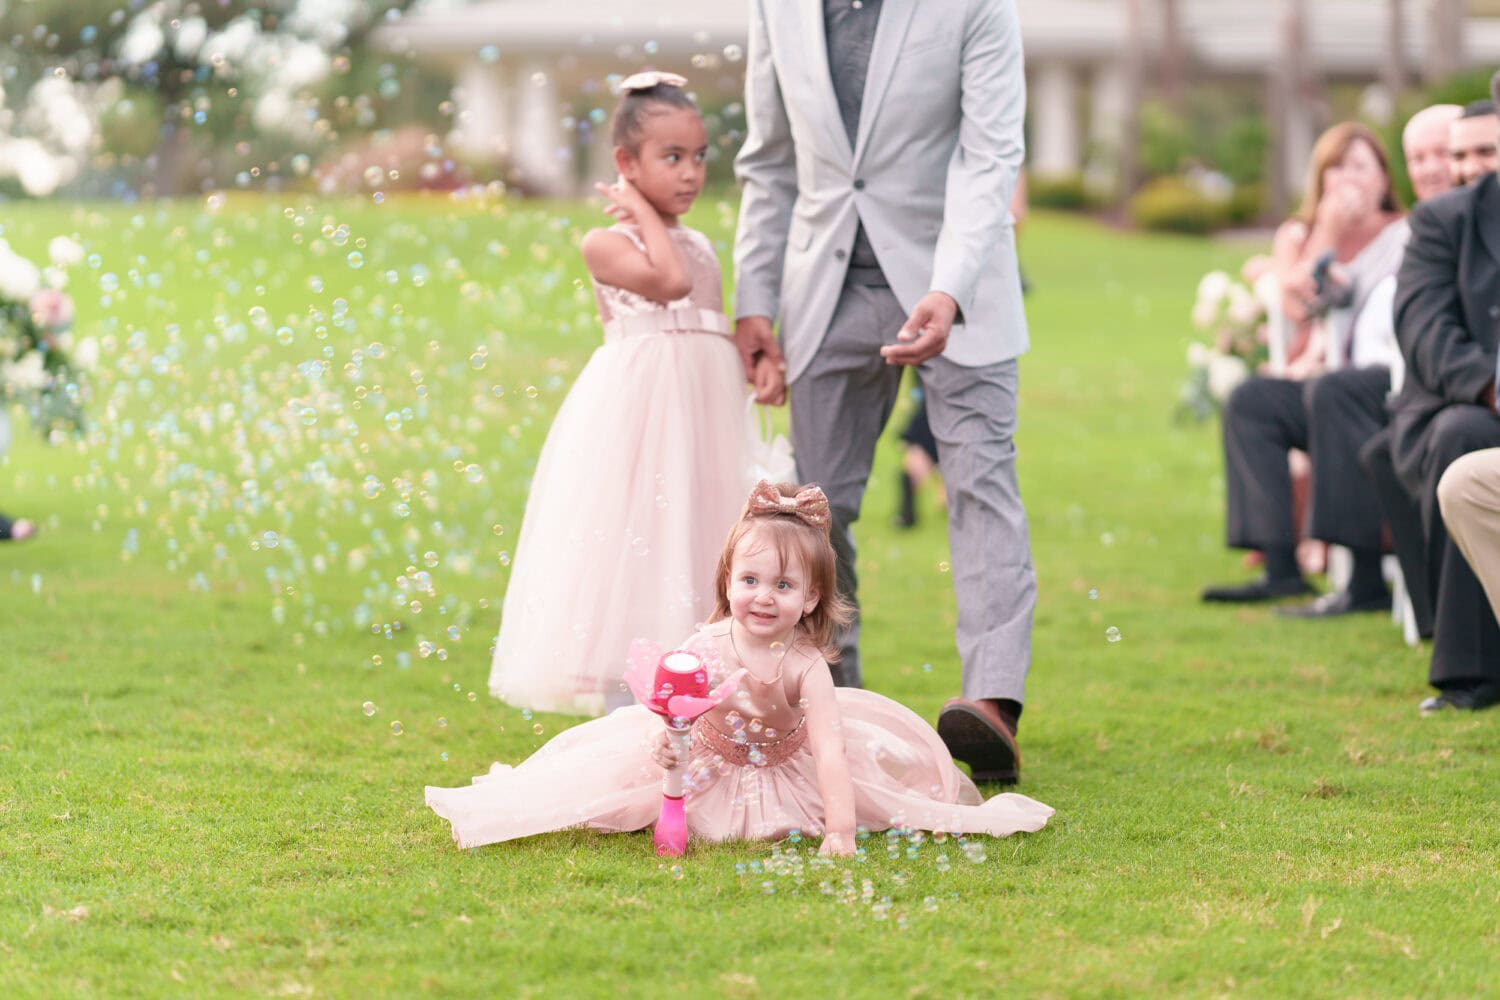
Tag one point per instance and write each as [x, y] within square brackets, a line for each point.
[1469, 496]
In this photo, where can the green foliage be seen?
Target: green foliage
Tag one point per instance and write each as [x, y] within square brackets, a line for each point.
[192, 801]
[1066, 192]
[1166, 140]
[1240, 149]
[1396, 157]
[1460, 88]
[1220, 129]
[1172, 204]
[1247, 205]
[130, 128]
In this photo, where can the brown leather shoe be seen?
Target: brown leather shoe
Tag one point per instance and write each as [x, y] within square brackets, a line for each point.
[975, 734]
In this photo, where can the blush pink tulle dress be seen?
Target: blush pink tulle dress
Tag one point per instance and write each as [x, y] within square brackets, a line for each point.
[751, 776]
[643, 473]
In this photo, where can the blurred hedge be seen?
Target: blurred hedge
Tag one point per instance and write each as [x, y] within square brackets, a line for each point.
[1173, 205]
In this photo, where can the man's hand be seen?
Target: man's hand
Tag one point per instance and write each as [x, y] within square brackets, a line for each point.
[770, 381]
[755, 339]
[925, 333]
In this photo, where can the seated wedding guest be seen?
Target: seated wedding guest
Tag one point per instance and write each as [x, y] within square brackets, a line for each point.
[1472, 144]
[1469, 498]
[1348, 407]
[1426, 148]
[1351, 225]
[1447, 301]
[1424, 145]
[1402, 513]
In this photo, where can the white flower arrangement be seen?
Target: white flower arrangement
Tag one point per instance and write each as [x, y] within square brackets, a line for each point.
[19, 277]
[39, 367]
[1235, 320]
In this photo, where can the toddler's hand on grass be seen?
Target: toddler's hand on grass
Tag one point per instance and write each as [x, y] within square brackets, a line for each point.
[840, 845]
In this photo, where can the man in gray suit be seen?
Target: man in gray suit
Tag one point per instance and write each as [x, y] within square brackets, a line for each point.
[883, 146]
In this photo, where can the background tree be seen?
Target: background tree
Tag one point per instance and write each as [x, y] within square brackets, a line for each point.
[1172, 66]
[1445, 50]
[199, 78]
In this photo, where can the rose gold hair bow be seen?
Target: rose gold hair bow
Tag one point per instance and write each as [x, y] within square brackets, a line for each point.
[650, 78]
[809, 505]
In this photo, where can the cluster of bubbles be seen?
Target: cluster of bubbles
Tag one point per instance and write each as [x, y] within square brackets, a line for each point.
[34, 581]
[398, 728]
[263, 424]
[751, 731]
[335, 406]
[794, 866]
[302, 397]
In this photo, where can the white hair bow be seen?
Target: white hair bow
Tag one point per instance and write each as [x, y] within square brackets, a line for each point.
[650, 78]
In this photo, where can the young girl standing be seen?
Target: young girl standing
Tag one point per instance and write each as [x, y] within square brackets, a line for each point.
[647, 461]
[789, 751]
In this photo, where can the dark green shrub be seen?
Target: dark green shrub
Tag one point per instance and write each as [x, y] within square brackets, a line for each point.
[1246, 205]
[1171, 204]
[1060, 191]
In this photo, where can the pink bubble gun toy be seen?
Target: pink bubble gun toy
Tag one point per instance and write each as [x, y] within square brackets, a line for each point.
[678, 691]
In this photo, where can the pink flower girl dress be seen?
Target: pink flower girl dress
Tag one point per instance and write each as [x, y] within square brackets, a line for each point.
[751, 774]
[644, 470]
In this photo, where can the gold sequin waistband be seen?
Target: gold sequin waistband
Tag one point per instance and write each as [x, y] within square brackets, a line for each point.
[771, 752]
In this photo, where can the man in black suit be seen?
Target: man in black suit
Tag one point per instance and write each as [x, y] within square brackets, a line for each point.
[1472, 154]
[1447, 314]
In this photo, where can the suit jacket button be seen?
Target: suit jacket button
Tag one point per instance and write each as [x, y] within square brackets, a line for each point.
[859, 185]
[839, 255]
[1494, 311]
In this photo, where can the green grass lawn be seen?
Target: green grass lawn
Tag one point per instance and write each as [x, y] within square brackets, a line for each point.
[256, 622]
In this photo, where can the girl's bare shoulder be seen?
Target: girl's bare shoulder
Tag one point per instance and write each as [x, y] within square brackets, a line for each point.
[804, 662]
[604, 245]
[714, 636]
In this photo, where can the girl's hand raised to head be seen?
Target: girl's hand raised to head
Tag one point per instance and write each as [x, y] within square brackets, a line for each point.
[658, 273]
[625, 202]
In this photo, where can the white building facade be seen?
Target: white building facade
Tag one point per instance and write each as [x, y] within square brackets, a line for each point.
[532, 77]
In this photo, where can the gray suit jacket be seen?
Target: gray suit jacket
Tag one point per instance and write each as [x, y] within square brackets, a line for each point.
[931, 172]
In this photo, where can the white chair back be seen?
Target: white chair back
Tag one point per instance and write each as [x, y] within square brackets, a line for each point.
[1278, 330]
